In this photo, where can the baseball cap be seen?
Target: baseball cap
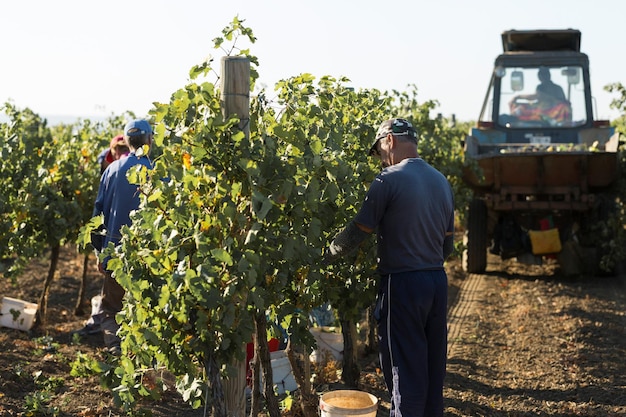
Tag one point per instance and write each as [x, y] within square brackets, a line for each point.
[137, 127]
[398, 127]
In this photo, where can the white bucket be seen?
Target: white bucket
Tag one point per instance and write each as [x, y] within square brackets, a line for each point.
[282, 374]
[17, 314]
[327, 341]
[348, 403]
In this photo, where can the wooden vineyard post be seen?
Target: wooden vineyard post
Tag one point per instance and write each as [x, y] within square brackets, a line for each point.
[236, 90]
[235, 99]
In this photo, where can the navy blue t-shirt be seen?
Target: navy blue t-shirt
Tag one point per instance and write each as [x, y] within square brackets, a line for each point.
[411, 206]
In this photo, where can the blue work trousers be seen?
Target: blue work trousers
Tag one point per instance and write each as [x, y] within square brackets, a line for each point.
[412, 330]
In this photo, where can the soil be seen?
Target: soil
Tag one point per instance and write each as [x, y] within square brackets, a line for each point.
[523, 341]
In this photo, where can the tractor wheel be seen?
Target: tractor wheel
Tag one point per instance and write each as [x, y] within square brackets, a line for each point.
[475, 254]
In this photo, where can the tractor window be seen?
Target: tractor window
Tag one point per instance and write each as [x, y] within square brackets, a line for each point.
[541, 97]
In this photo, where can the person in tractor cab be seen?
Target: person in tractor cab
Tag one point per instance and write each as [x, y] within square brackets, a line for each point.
[547, 103]
[548, 87]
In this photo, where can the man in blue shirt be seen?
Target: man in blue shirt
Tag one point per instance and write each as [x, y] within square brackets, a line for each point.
[116, 199]
[410, 205]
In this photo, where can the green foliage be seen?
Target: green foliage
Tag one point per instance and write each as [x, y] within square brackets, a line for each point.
[27, 187]
[49, 384]
[48, 181]
[324, 130]
[187, 271]
[611, 233]
[126, 387]
[83, 366]
[37, 404]
[46, 344]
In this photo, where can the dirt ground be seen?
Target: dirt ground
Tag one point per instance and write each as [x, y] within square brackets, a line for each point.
[524, 341]
[527, 341]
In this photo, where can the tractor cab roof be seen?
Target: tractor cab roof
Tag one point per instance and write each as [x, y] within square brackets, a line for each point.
[541, 40]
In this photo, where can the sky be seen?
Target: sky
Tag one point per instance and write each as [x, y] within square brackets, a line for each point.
[94, 58]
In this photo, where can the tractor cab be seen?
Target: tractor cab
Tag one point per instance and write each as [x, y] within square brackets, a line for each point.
[540, 92]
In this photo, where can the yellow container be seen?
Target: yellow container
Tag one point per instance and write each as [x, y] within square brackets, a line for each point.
[348, 403]
[545, 242]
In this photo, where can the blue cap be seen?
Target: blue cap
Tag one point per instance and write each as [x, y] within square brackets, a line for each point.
[137, 127]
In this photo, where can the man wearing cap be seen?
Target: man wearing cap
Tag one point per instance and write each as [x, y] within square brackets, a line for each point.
[410, 205]
[116, 199]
